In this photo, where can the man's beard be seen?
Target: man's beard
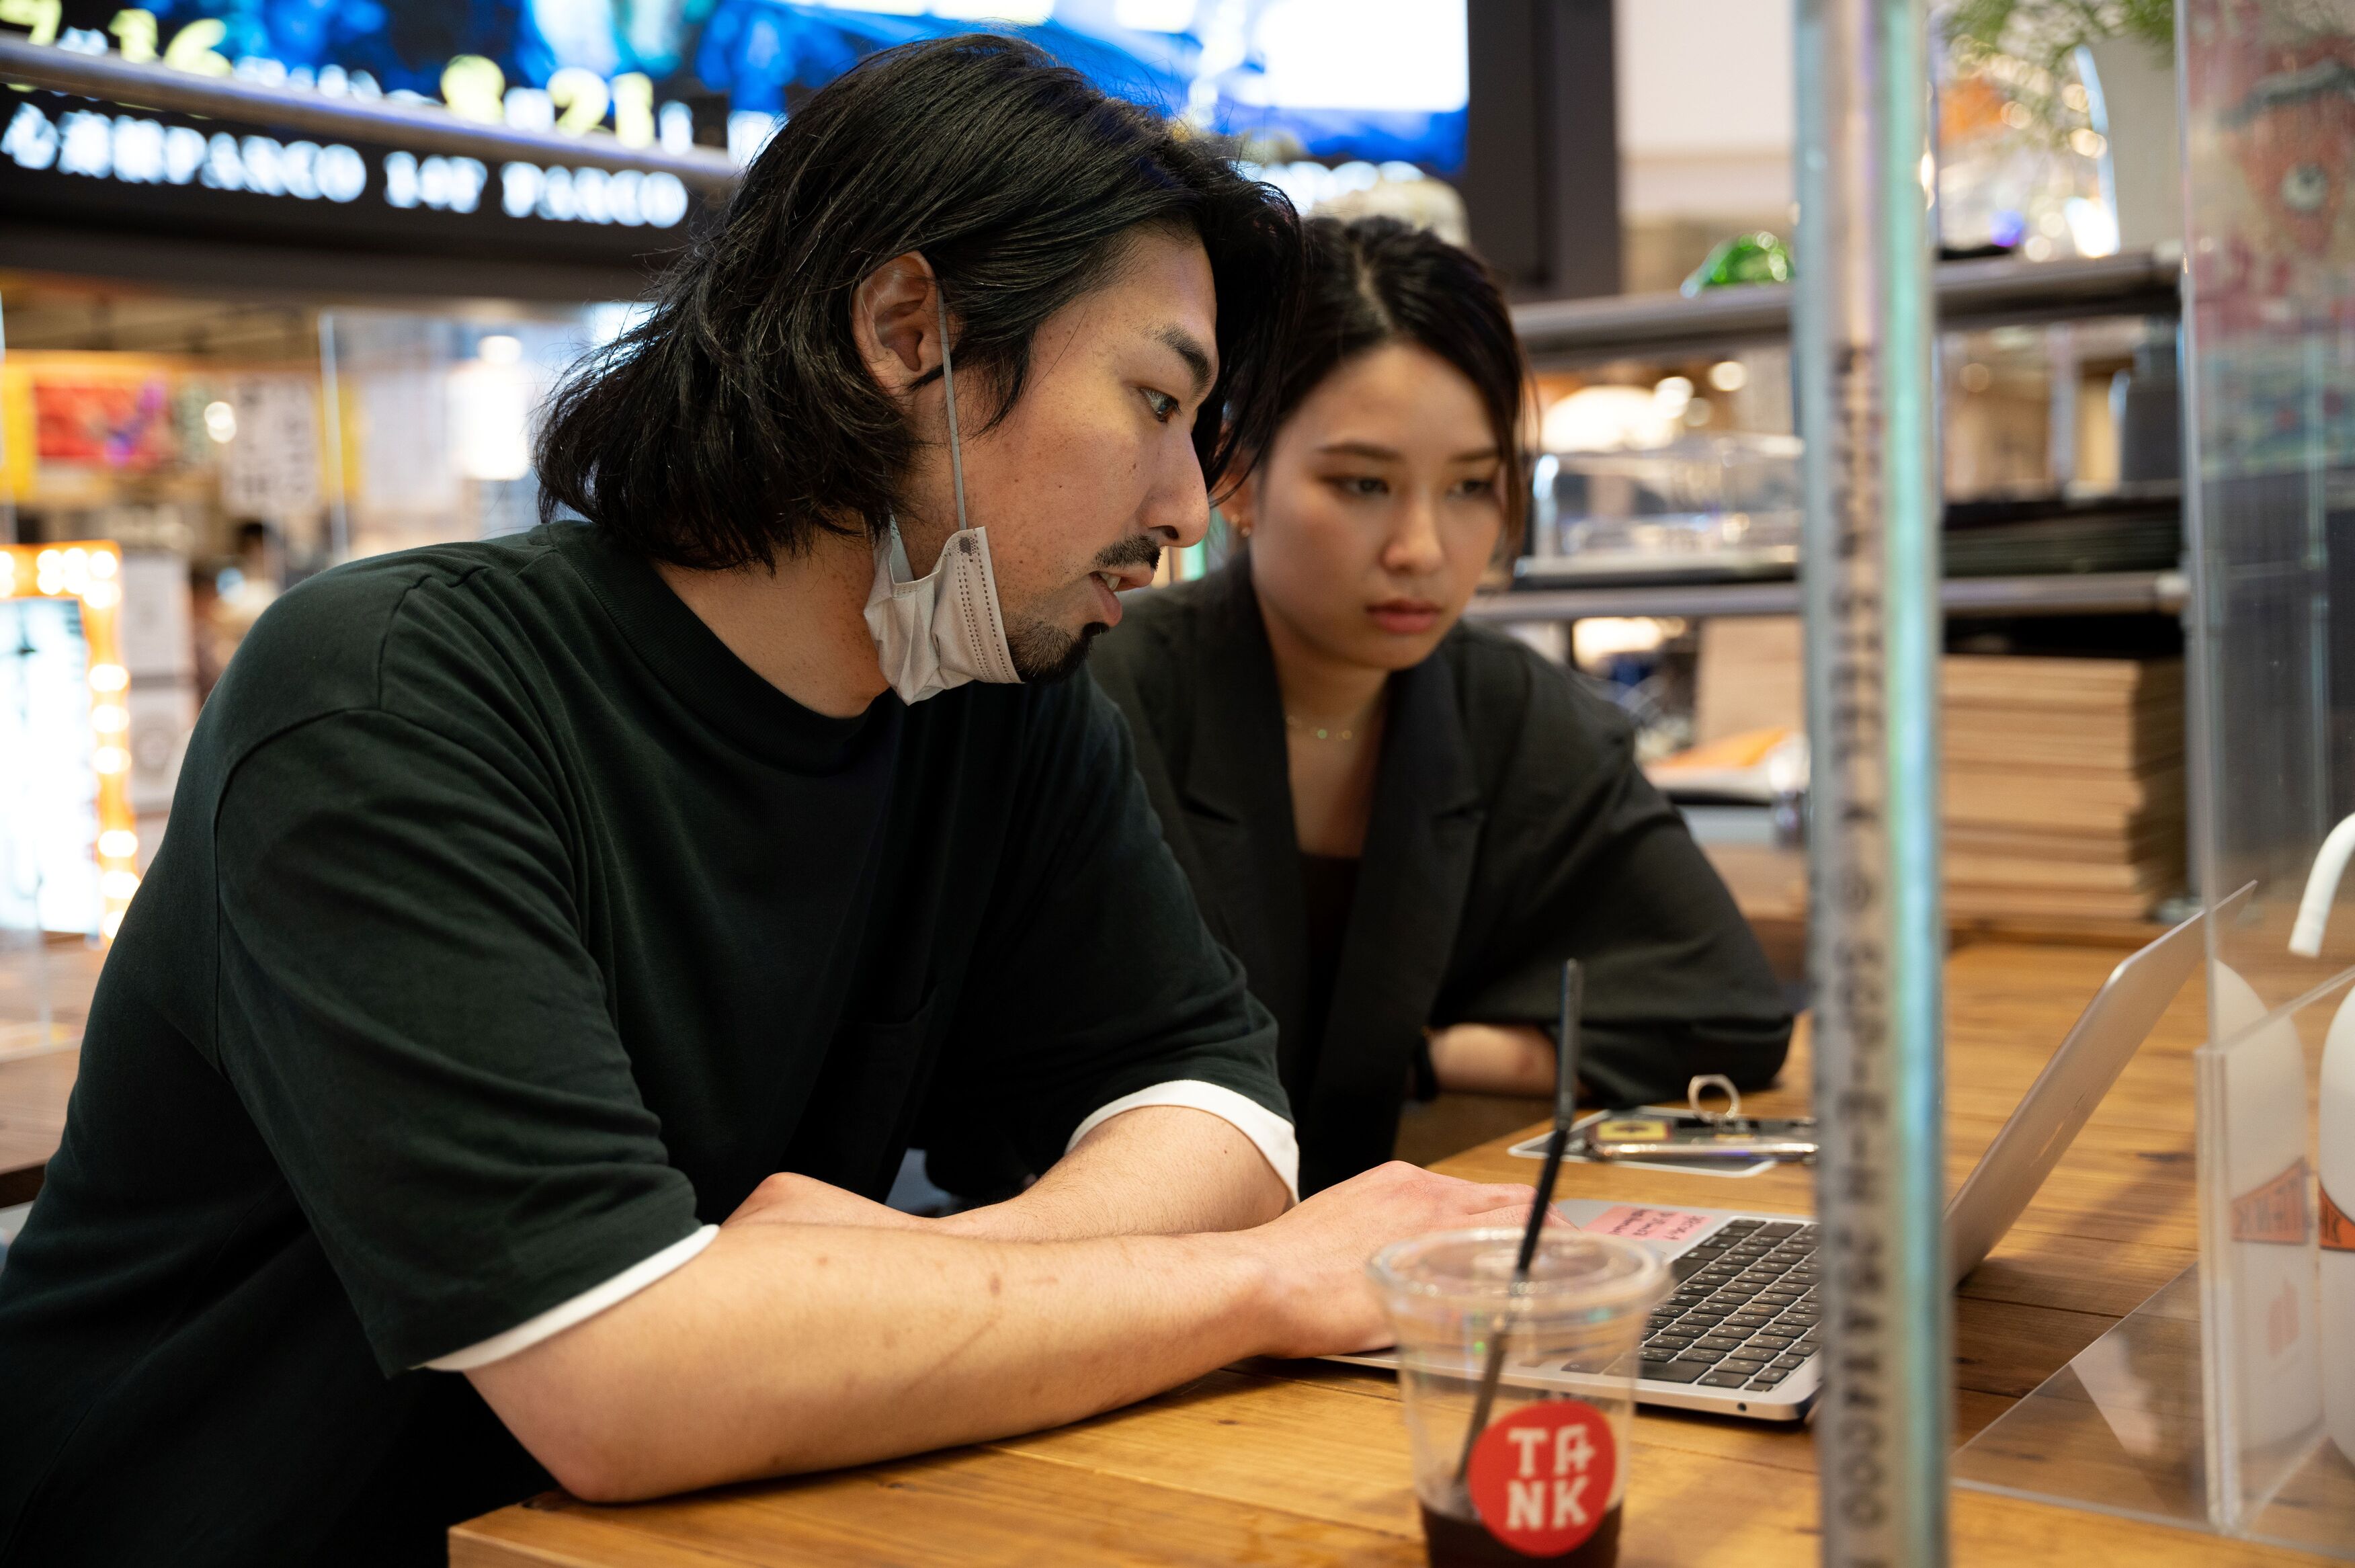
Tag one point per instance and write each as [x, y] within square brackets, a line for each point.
[1045, 653]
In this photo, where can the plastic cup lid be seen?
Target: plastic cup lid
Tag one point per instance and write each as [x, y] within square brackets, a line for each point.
[1570, 1271]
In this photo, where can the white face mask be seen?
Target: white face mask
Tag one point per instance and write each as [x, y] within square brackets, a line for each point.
[939, 630]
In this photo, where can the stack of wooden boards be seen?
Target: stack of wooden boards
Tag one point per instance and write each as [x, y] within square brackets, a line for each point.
[2064, 794]
[2063, 777]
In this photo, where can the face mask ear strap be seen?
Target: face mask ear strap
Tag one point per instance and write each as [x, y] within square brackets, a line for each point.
[948, 385]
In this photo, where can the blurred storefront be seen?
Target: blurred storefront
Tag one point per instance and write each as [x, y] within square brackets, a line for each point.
[230, 448]
[232, 355]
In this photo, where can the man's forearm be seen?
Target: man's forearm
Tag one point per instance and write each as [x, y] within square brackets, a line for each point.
[807, 1347]
[1155, 1170]
[791, 1346]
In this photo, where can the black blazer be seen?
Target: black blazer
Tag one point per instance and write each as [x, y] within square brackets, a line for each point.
[1511, 830]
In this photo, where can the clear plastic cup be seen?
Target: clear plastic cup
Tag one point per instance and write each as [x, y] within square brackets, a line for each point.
[1544, 1478]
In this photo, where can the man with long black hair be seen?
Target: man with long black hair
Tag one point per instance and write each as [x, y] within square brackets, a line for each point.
[559, 941]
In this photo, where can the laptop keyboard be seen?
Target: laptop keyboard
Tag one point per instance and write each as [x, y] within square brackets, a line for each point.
[1743, 1314]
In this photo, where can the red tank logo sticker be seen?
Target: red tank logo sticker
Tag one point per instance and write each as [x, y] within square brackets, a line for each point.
[2278, 1211]
[2338, 1230]
[1542, 1477]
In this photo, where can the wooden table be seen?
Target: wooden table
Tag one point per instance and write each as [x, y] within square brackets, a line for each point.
[1306, 1464]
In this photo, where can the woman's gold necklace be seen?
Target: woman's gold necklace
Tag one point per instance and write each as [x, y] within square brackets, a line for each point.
[1332, 731]
[1319, 731]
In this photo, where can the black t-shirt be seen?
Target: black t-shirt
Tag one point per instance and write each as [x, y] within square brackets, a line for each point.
[508, 929]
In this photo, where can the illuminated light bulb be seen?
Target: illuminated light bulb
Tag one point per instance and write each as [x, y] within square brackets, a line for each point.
[108, 677]
[77, 562]
[118, 844]
[102, 596]
[119, 884]
[104, 563]
[112, 924]
[1671, 394]
[109, 718]
[2092, 226]
[47, 562]
[1728, 374]
[109, 759]
[220, 423]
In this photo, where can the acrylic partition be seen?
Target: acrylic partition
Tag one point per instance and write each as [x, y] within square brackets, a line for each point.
[2227, 1403]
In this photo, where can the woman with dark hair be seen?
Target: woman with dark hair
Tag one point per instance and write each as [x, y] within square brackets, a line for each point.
[1400, 823]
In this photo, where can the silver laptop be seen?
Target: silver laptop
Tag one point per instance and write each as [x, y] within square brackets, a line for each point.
[1738, 1333]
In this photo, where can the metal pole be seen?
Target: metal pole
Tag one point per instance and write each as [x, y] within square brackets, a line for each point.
[419, 127]
[1866, 326]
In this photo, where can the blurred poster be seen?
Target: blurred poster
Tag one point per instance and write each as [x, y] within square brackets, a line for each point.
[271, 468]
[104, 423]
[2271, 142]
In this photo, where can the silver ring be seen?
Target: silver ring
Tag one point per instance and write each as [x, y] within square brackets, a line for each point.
[1705, 1081]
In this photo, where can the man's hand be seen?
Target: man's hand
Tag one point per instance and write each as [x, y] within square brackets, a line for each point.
[1321, 1301]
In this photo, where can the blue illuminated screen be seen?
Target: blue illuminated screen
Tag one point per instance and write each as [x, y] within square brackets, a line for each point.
[1328, 79]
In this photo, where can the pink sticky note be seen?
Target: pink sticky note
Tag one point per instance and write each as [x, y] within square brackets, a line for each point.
[1643, 1225]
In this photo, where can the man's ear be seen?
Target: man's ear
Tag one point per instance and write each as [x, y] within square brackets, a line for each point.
[895, 320]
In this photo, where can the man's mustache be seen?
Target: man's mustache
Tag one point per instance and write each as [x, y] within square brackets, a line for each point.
[1137, 550]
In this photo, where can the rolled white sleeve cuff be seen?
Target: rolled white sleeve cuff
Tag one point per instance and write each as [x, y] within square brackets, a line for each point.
[580, 1309]
[1269, 1133]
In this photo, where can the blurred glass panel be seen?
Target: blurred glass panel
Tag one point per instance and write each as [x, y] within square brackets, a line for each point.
[2270, 373]
[431, 419]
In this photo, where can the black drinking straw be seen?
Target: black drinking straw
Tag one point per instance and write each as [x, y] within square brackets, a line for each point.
[1565, 1112]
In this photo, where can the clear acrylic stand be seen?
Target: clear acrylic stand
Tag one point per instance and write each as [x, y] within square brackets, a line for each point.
[2119, 1431]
